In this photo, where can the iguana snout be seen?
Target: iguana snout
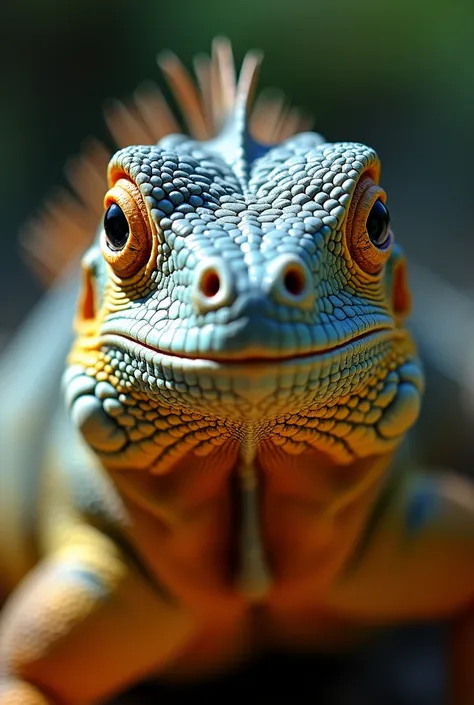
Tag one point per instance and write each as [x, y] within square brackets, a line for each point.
[285, 279]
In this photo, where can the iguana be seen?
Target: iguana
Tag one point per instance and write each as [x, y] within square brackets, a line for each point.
[240, 380]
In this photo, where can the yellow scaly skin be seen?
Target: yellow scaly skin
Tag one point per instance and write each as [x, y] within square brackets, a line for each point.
[241, 378]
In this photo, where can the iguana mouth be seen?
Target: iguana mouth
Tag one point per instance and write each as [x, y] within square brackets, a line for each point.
[255, 356]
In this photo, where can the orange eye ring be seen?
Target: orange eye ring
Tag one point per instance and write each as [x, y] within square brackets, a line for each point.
[368, 256]
[127, 260]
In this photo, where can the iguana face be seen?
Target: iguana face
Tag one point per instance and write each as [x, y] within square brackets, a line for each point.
[228, 295]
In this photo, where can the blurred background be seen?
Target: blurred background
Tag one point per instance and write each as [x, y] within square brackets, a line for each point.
[398, 75]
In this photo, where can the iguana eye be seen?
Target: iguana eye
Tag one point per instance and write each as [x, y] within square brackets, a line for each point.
[378, 224]
[367, 230]
[127, 236]
[116, 227]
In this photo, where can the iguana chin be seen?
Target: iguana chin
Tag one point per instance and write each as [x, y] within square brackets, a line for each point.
[242, 377]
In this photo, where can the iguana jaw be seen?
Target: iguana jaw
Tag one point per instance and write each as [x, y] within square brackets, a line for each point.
[141, 409]
[162, 409]
[253, 356]
[258, 389]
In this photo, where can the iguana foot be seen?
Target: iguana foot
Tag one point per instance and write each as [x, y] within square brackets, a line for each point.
[84, 625]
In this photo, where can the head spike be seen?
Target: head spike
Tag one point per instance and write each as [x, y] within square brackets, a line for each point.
[67, 223]
[248, 79]
[186, 94]
[269, 113]
[155, 111]
[234, 142]
[203, 70]
[125, 124]
[223, 60]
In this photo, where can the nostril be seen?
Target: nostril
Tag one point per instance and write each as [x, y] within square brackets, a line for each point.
[288, 280]
[210, 283]
[294, 281]
[213, 285]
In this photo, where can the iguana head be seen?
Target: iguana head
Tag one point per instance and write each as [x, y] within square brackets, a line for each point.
[235, 288]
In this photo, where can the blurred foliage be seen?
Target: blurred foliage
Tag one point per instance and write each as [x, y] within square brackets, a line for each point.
[396, 74]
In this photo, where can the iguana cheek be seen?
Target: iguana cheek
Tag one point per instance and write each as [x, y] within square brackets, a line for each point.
[86, 398]
[98, 429]
[401, 413]
[403, 409]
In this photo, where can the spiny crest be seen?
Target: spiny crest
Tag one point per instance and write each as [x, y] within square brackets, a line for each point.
[215, 103]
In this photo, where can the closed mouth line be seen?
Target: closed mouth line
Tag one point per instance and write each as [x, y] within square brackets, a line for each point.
[251, 359]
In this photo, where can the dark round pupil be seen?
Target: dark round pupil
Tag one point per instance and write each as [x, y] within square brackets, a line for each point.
[116, 227]
[378, 223]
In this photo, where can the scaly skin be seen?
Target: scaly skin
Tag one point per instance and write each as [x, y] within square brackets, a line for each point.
[242, 377]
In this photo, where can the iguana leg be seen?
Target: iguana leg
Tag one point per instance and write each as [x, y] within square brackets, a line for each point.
[416, 562]
[83, 625]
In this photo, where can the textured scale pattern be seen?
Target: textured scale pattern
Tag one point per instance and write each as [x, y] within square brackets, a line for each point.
[355, 400]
